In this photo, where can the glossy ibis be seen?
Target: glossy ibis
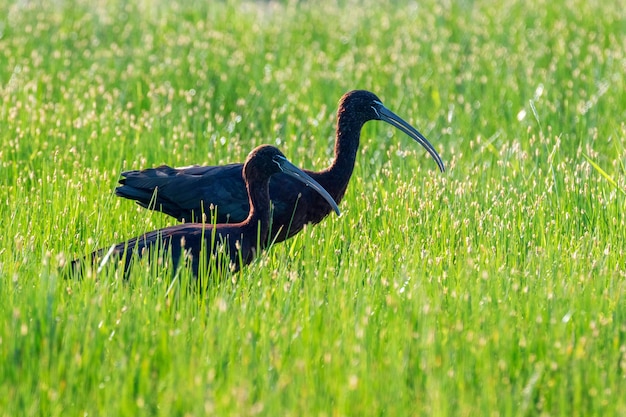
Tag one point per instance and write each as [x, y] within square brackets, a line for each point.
[241, 241]
[186, 193]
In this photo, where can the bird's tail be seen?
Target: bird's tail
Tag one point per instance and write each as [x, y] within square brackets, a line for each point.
[121, 255]
[142, 187]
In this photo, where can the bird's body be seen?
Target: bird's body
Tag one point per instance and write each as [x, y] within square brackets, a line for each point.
[241, 241]
[186, 241]
[187, 193]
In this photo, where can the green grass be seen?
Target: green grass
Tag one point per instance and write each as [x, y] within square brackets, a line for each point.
[495, 289]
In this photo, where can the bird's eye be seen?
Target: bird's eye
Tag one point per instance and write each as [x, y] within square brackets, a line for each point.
[376, 111]
[278, 161]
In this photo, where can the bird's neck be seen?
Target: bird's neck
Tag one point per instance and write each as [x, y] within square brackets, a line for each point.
[260, 209]
[346, 147]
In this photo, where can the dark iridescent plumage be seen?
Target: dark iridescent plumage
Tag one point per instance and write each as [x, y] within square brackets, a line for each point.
[186, 193]
[241, 241]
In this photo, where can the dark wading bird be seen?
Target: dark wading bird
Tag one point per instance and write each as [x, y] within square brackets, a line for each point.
[241, 241]
[187, 193]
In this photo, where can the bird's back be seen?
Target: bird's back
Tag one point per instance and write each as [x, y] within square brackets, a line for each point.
[222, 246]
[187, 193]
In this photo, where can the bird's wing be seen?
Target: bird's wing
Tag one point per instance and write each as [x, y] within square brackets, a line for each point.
[185, 193]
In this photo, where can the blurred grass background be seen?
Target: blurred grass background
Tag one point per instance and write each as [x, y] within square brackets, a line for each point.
[496, 288]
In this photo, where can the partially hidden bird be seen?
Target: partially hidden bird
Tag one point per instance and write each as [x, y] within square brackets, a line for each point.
[241, 241]
[188, 193]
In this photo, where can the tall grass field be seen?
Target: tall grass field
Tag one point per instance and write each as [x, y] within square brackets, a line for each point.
[497, 288]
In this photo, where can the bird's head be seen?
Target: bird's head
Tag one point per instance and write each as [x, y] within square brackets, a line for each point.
[359, 106]
[266, 160]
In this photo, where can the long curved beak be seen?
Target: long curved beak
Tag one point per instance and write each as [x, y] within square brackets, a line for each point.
[396, 121]
[292, 170]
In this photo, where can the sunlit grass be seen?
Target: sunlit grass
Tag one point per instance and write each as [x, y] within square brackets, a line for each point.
[496, 288]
